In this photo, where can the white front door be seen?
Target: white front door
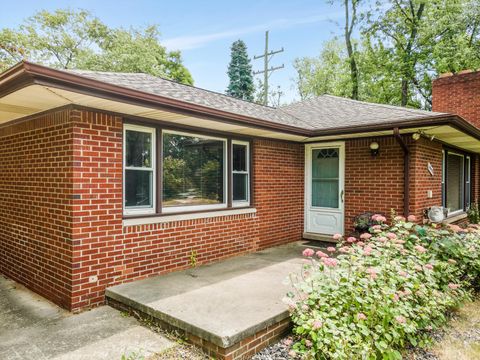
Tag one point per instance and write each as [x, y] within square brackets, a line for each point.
[324, 177]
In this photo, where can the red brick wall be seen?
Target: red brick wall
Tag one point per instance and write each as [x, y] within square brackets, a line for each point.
[372, 183]
[376, 184]
[458, 94]
[35, 204]
[113, 253]
[423, 152]
[279, 191]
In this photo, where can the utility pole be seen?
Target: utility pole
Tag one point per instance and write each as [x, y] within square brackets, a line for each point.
[266, 70]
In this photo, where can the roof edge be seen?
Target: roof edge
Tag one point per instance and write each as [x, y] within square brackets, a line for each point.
[26, 73]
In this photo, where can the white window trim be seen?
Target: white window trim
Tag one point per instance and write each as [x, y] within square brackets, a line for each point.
[242, 203]
[188, 208]
[140, 210]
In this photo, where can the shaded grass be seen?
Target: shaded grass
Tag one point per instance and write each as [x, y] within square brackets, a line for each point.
[462, 338]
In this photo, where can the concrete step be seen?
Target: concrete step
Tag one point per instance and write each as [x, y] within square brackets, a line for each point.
[231, 309]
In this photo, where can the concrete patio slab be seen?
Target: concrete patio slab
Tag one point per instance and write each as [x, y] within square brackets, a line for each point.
[34, 328]
[222, 303]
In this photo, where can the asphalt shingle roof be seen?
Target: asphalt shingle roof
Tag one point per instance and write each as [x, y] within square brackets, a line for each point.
[330, 112]
[173, 90]
[318, 113]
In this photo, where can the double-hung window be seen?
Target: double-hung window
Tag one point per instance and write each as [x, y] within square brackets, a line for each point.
[240, 173]
[456, 184]
[139, 170]
[186, 172]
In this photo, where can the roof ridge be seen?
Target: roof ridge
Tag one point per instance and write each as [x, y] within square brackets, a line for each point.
[388, 106]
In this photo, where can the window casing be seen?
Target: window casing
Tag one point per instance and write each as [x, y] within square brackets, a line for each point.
[139, 175]
[188, 172]
[240, 173]
[456, 183]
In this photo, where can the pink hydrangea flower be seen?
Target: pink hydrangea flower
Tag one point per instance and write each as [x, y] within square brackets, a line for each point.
[399, 218]
[330, 262]
[396, 297]
[377, 227]
[288, 342]
[451, 261]
[351, 239]
[361, 316]
[378, 218]
[321, 254]
[360, 243]
[331, 249]
[317, 324]
[453, 286]
[308, 343]
[420, 249]
[308, 252]
[365, 236]
[337, 236]
[429, 266]
[399, 241]
[412, 218]
[402, 273]
[292, 354]
[372, 272]
[401, 319]
[382, 239]
[344, 249]
[367, 250]
[391, 235]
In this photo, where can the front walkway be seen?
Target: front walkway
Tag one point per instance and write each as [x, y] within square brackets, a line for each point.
[32, 328]
[230, 306]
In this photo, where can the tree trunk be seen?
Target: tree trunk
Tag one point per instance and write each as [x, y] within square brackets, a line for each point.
[349, 24]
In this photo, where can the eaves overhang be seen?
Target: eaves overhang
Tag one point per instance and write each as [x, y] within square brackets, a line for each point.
[26, 74]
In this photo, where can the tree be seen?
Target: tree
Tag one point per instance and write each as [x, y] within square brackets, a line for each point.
[68, 39]
[240, 73]
[327, 74]
[402, 46]
[350, 22]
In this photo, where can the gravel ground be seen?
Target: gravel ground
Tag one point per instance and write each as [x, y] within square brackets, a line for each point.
[277, 351]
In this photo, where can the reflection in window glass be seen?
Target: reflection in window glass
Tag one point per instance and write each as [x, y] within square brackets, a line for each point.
[454, 177]
[193, 170]
[325, 178]
[139, 169]
[240, 172]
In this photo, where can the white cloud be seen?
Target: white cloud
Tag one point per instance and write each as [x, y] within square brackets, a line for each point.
[196, 41]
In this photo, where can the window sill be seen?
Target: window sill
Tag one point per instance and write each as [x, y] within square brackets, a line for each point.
[455, 218]
[147, 220]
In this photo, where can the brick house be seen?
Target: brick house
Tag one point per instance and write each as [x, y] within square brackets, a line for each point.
[108, 177]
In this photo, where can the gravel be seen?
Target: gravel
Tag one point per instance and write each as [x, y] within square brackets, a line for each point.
[276, 351]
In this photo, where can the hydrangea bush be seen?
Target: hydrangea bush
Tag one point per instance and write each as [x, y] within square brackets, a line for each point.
[371, 296]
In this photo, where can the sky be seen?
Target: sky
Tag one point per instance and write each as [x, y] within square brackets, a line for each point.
[205, 30]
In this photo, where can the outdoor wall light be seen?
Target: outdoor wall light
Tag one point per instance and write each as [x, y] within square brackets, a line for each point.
[374, 148]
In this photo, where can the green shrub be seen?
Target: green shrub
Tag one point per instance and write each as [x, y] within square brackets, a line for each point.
[370, 297]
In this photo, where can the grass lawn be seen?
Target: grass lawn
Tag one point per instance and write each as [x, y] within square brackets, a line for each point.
[462, 337]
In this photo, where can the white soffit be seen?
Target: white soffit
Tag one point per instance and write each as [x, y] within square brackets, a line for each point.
[36, 98]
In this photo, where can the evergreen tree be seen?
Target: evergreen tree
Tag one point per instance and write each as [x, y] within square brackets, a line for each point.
[240, 73]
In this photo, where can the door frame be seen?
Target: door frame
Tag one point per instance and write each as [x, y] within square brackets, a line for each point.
[308, 181]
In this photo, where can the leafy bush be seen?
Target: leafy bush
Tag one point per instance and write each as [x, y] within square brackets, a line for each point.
[370, 297]
[473, 213]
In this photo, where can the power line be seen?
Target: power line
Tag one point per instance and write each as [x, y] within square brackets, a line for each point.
[267, 70]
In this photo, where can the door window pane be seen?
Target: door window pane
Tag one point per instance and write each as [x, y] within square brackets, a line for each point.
[138, 188]
[325, 178]
[193, 170]
[455, 186]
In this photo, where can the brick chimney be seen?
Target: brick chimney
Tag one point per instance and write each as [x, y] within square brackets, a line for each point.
[458, 94]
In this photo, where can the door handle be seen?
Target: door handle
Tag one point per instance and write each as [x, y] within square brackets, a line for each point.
[341, 196]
